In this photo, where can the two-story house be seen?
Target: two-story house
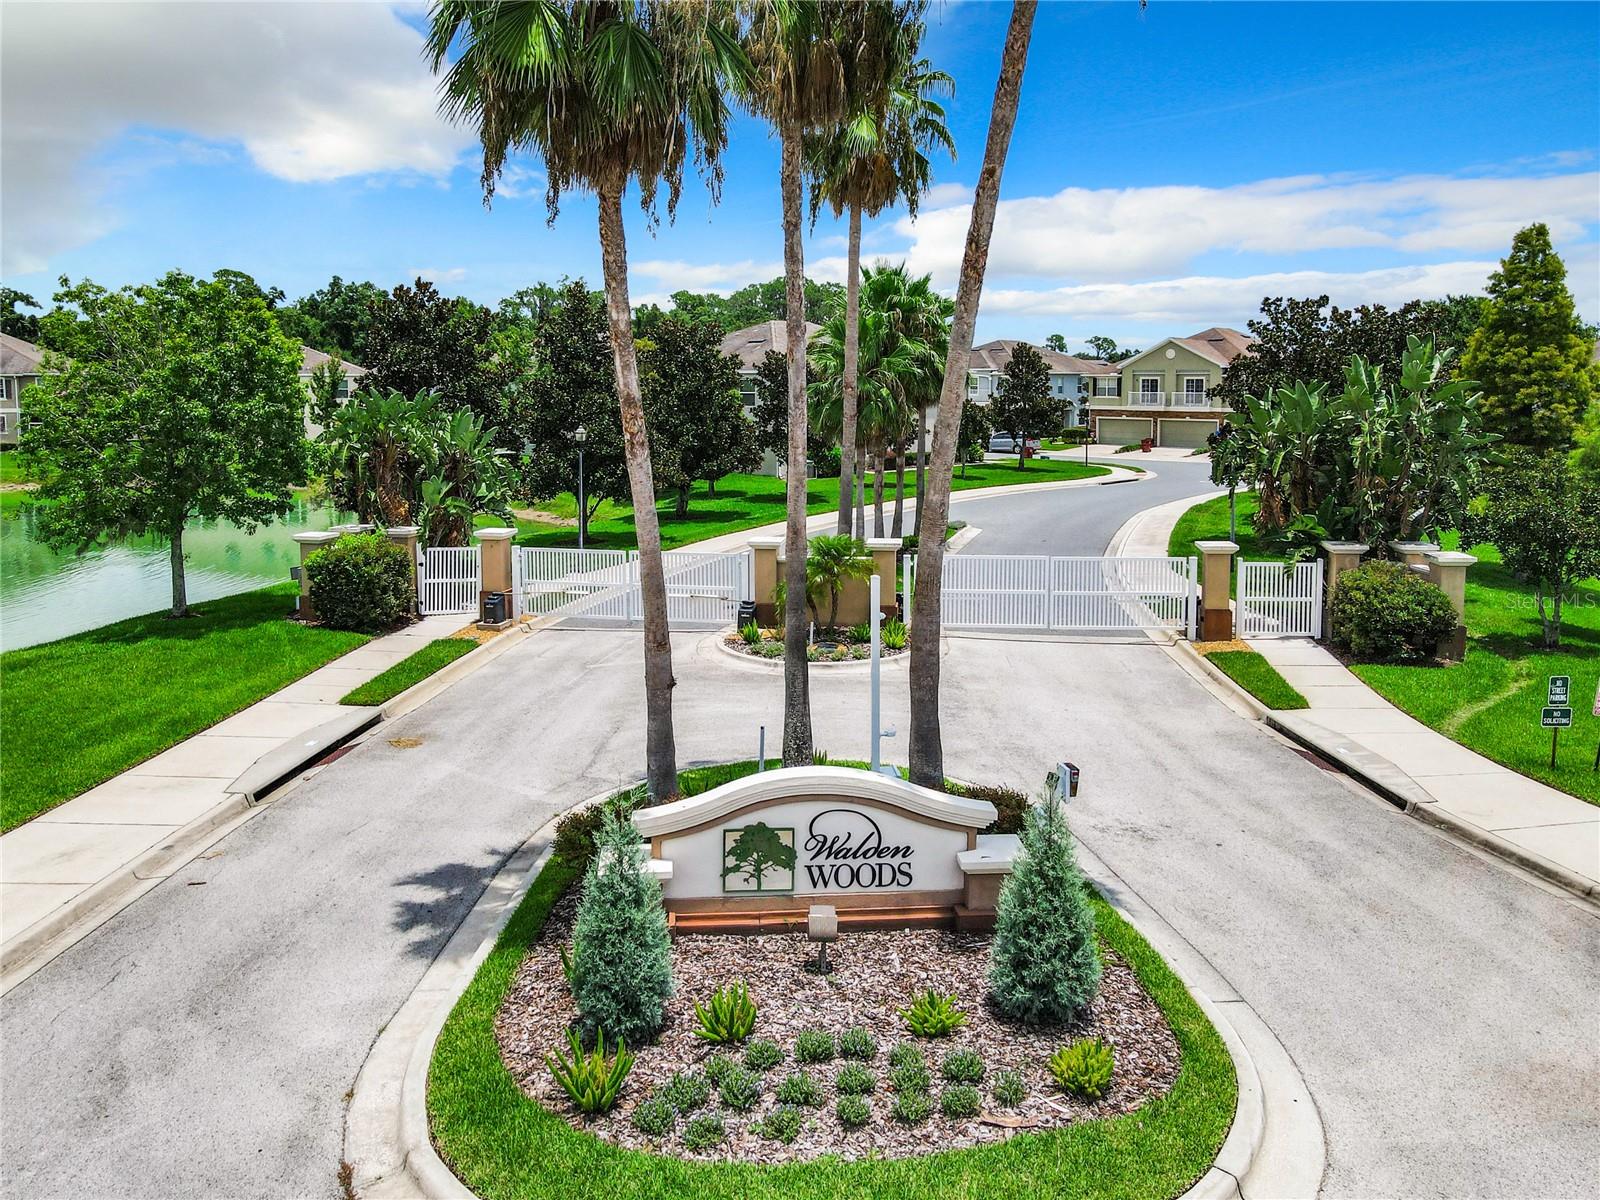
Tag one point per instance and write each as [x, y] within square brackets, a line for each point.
[310, 360]
[1070, 377]
[750, 345]
[19, 368]
[1165, 392]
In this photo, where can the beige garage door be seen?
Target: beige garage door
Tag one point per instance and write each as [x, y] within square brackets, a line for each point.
[1120, 431]
[1188, 434]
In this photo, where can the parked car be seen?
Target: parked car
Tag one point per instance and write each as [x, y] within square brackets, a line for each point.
[1004, 443]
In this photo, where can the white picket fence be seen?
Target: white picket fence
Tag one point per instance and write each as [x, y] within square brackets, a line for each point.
[1067, 594]
[602, 586]
[448, 580]
[1273, 600]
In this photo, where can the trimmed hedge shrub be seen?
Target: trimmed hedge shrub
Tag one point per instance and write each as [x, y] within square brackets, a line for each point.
[1383, 612]
[361, 582]
[1011, 806]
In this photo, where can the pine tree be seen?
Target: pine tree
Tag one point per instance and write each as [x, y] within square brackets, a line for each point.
[1044, 965]
[1022, 404]
[1530, 354]
[621, 956]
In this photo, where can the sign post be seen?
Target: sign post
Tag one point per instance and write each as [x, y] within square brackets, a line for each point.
[1557, 714]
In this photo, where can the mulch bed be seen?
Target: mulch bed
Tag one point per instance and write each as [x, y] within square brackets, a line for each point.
[875, 974]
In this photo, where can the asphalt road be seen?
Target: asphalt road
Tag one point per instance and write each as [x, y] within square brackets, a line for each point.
[1072, 521]
[201, 1043]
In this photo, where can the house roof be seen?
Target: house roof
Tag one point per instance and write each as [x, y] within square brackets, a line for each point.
[311, 359]
[750, 344]
[1219, 344]
[995, 355]
[18, 357]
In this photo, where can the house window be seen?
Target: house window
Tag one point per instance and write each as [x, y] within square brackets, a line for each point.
[1194, 389]
[747, 390]
[5, 423]
[1107, 385]
[1149, 389]
[5, 389]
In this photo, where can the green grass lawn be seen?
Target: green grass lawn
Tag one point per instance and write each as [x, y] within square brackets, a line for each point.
[506, 1146]
[1490, 702]
[79, 710]
[1258, 677]
[10, 471]
[746, 501]
[1208, 522]
[438, 653]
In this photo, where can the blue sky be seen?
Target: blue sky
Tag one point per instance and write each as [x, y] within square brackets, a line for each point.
[1169, 167]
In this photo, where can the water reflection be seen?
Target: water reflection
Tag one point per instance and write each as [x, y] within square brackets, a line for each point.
[45, 595]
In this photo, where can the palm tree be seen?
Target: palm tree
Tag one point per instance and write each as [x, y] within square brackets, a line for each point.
[933, 507]
[877, 157]
[834, 559]
[607, 92]
[798, 51]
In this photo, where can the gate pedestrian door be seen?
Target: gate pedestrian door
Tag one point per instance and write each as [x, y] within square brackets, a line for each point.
[1275, 600]
[1067, 595]
[448, 580]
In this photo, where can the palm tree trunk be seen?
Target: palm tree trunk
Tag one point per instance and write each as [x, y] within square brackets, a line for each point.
[922, 454]
[797, 747]
[899, 495]
[661, 756]
[877, 492]
[852, 367]
[180, 588]
[927, 748]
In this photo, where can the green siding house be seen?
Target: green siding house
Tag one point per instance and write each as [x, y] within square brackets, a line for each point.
[1165, 393]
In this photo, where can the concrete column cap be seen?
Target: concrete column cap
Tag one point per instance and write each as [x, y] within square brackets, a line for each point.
[1401, 546]
[500, 533]
[1450, 558]
[356, 527]
[1217, 547]
[403, 530]
[884, 543]
[766, 541]
[1333, 547]
[317, 537]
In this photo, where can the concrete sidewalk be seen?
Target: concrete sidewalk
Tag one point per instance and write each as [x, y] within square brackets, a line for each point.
[58, 867]
[1435, 778]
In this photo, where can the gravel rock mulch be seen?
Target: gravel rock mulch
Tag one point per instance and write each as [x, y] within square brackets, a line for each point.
[875, 974]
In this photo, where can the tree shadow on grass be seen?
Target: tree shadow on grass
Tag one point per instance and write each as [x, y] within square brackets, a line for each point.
[440, 898]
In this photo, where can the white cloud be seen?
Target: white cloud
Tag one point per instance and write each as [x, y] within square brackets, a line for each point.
[311, 92]
[678, 275]
[1132, 233]
[1223, 300]
[439, 274]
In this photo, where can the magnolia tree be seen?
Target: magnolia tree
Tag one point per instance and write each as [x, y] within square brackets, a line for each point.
[177, 401]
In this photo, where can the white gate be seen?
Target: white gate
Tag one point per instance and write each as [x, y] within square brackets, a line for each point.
[448, 580]
[1276, 600]
[603, 585]
[1089, 595]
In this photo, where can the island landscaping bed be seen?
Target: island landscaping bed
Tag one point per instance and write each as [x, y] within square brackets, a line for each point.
[833, 646]
[875, 975]
[1157, 1130]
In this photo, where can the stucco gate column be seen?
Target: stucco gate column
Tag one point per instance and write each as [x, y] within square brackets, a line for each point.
[885, 556]
[494, 573]
[1342, 557]
[405, 536]
[1216, 617]
[1448, 571]
[310, 543]
[764, 576]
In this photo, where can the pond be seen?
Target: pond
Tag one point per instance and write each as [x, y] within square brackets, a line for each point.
[46, 595]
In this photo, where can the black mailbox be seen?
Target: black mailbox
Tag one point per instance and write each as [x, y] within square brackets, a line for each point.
[747, 612]
[494, 608]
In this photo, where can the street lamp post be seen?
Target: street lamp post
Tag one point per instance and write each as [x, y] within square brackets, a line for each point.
[580, 436]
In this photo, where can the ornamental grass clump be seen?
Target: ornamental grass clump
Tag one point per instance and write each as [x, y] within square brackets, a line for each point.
[621, 958]
[705, 1132]
[1044, 961]
[933, 1014]
[728, 1016]
[781, 1124]
[687, 1091]
[800, 1088]
[739, 1090]
[717, 1068]
[1084, 1067]
[960, 1100]
[857, 1043]
[814, 1046]
[655, 1117]
[912, 1108]
[1009, 1090]
[855, 1080]
[592, 1081]
[962, 1066]
[853, 1111]
[762, 1054]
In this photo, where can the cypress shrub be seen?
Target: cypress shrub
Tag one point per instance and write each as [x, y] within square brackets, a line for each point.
[1045, 963]
[622, 960]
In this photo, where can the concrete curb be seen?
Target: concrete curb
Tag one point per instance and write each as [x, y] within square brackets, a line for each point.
[1400, 790]
[1216, 681]
[1274, 1146]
